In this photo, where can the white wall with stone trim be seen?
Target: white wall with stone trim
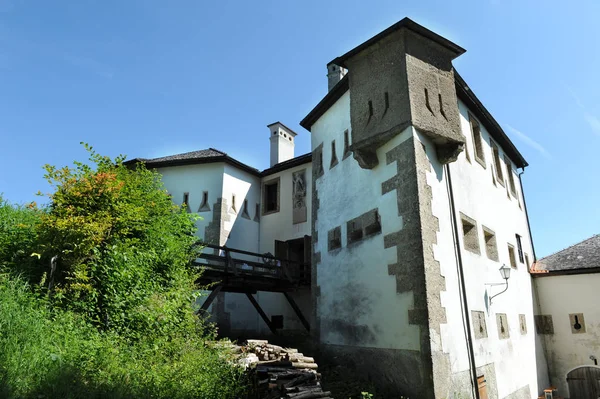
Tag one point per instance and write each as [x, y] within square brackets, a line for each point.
[358, 304]
[560, 296]
[279, 225]
[477, 197]
[195, 179]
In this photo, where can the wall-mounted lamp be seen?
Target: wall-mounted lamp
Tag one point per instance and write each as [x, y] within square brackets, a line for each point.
[505, 273]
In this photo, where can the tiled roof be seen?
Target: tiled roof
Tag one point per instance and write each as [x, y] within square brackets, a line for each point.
[208, 155]
[200, 154]
[578, 258]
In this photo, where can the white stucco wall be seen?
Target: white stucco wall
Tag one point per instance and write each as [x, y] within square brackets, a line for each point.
[355, 287]
[560, 296]
[195, 179]
[477, 197]
[223, 181]
[243, 233]
[279, 226]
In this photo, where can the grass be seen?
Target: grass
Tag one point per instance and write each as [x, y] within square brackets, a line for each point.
[46, 353]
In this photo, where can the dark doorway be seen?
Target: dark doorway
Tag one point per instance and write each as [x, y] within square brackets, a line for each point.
[298, 251]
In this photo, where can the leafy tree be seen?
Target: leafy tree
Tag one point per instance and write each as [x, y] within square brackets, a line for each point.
[122, 248]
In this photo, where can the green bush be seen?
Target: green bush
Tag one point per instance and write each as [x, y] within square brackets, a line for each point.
[18, 233]
[96, 293]
[123, 249]
[46, 353]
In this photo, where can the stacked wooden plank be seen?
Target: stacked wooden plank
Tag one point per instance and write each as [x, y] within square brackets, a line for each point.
[282, 372]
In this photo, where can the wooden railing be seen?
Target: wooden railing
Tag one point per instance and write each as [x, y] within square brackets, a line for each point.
[230, 262]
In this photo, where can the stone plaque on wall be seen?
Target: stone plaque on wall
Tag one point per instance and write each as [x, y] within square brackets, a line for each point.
[299, 196]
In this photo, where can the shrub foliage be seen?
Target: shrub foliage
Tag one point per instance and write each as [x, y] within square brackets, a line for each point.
[111, 307]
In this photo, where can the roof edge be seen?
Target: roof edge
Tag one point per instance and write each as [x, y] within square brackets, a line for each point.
[465, 94]
[330, 98]
[569, 247]
[290, 163]
[403, 23]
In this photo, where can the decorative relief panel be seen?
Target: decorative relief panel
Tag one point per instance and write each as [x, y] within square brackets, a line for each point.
[299, 196]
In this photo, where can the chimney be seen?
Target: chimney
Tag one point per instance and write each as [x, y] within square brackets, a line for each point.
[335, 73]
[282, 142]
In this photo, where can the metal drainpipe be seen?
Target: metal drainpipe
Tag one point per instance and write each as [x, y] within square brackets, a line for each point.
[462, 286]
[527, 215]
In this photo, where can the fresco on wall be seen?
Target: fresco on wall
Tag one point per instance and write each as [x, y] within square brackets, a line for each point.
[299, 196]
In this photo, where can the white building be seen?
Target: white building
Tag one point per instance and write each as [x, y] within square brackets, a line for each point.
[567, 285]
[411, 201]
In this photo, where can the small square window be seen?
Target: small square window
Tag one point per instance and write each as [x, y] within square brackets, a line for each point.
[334, 238]
[544, 324]
[502, 323]
[470, 236]
[577, 323]
[491, 249]
[479, 326]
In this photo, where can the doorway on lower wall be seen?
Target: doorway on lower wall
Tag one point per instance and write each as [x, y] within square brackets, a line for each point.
[296, 250]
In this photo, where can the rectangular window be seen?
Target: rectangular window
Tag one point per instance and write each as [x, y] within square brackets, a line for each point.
[477, 140]
[470, 236]
[527, 260]
[271, 196]
[519, 248]
[497, 163]
[511, 179]
[511, 256]
[334, 238]
[491, 249]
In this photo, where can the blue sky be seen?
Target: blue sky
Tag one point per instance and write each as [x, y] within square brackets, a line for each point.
[150, 78]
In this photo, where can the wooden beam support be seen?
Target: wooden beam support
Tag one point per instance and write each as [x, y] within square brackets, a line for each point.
[211, 297]
[297, 310]
[261, 313]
